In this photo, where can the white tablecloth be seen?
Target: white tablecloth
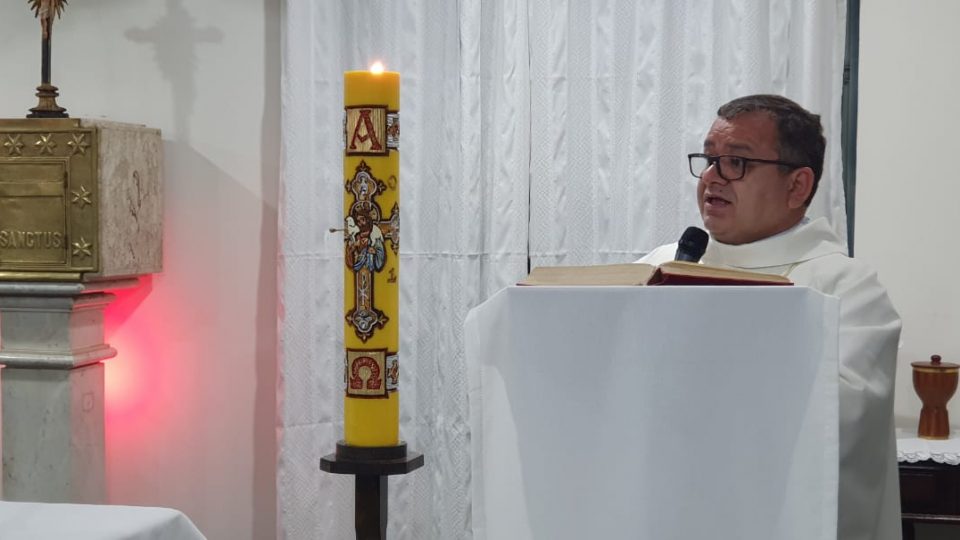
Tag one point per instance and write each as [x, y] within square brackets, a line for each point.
[654, 412]
[912, 449]
[42, 521]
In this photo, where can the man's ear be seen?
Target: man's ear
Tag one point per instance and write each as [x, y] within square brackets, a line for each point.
[801, 185]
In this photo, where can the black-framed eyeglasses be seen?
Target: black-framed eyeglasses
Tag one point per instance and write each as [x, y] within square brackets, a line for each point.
[729, 167]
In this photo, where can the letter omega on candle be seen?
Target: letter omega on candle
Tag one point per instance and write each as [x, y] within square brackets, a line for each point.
[371, 167]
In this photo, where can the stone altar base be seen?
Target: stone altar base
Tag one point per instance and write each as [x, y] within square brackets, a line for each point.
[80, 213]
[52, 346]
[53, 447]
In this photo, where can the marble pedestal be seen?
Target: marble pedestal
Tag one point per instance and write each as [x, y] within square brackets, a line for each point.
[80, 213]
[52, 344]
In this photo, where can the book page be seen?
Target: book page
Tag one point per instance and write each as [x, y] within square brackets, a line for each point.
[605, 274]
[682, 268]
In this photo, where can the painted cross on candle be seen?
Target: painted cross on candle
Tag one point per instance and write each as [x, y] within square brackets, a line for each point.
[366, 233]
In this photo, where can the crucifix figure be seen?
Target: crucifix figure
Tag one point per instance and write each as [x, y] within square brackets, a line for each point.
[45, 11]
[367, 232]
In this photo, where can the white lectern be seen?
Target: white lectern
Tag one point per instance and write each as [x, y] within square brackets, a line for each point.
[654, 412]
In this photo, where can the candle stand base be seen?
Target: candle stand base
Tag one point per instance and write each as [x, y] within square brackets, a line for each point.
[371, 466]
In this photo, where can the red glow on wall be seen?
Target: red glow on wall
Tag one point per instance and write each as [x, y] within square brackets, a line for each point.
[124, 384]
[128, 375]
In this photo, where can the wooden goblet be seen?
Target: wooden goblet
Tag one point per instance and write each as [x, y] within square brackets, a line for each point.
[935, 383]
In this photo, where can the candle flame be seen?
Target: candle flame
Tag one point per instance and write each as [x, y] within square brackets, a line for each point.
[377, 68]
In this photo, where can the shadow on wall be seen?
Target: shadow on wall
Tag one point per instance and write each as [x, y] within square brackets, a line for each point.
[164, 319]
[197, 193]
[164, 402]
[174, 38]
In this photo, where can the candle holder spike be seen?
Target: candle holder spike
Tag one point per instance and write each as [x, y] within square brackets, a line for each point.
[371, 465]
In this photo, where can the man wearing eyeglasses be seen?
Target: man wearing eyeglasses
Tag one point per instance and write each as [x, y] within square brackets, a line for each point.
[761, 163]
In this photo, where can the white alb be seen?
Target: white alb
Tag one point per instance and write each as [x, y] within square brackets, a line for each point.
[812, 255]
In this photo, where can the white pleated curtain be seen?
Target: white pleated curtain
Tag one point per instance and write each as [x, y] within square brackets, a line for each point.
[549, 131]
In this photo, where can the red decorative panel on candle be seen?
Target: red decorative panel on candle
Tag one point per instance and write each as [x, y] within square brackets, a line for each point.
[367, 373]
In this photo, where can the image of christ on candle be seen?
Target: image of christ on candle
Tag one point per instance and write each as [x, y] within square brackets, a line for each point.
[364, 241]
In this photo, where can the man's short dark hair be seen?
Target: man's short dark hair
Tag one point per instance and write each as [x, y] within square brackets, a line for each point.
[799, 132]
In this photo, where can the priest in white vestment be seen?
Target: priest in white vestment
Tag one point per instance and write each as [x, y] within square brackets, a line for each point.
[761, 163]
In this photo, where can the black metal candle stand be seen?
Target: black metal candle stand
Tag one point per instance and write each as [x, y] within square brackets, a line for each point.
[371, 465]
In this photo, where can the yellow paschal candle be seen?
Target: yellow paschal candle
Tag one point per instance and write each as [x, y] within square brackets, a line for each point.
[371, 166]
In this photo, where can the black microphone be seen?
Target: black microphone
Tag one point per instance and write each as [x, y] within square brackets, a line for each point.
[692, 245]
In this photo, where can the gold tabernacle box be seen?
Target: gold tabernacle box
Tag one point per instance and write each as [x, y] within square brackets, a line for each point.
[80, 200]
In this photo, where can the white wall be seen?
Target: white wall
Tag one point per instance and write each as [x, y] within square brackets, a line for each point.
[908, 189]
[191, 397]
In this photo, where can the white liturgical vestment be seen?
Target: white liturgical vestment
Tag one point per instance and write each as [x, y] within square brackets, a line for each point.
[811, 255]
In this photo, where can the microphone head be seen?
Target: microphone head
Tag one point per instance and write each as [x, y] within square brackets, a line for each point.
[692, 244]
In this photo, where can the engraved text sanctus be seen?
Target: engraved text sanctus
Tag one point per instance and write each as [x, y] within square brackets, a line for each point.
[14, 239]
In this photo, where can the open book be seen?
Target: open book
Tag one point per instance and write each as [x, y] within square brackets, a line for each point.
[668, 273]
